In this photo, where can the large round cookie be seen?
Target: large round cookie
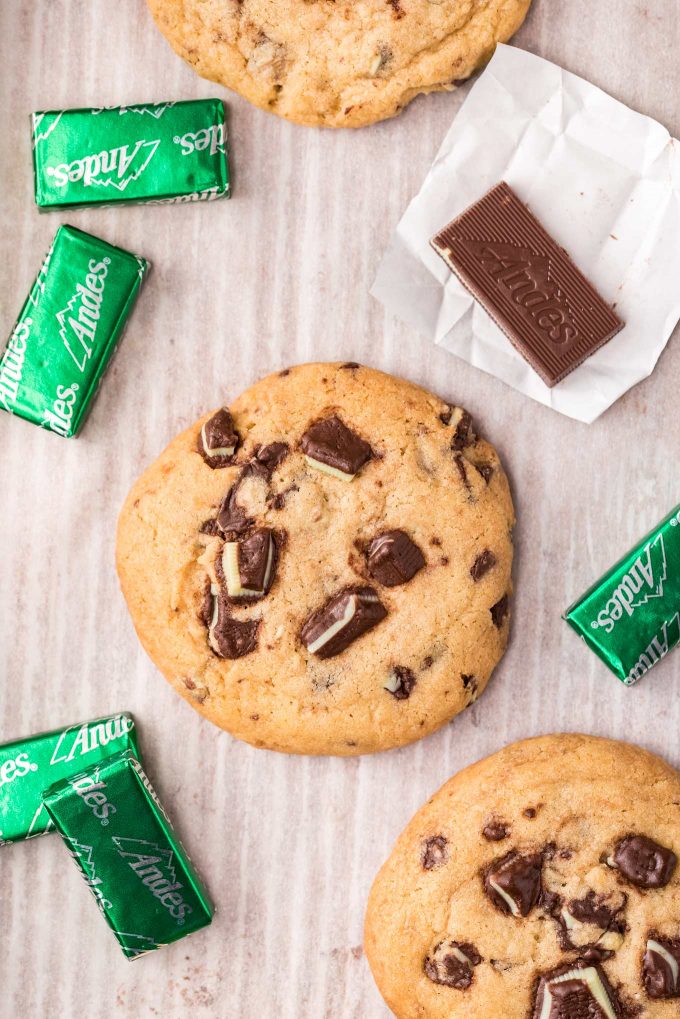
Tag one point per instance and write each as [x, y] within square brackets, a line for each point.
[307, 612]
[540, 883]
[336, 63]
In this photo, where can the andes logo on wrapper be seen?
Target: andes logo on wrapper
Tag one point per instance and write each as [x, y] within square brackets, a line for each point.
[78, 321]
[12, 363]
[92, 792]
[85, 856]
[83, 739]
[114, 168]
[154, 868]
[212, 137]
[659, 646]
[644, 580]
[15, 768]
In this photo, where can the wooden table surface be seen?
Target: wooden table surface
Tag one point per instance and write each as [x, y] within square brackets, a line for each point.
[278, 275]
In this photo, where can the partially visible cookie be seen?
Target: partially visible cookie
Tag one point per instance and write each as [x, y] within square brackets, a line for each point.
[324, 566]
[540, 883]
[336, 63]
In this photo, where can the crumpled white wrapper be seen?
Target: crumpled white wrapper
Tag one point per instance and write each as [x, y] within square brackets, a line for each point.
[605, 183]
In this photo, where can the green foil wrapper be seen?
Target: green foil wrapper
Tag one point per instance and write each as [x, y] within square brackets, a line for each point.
[68, 329]
[631, 617]
[161, 152]
[29, 766]
[122, 840]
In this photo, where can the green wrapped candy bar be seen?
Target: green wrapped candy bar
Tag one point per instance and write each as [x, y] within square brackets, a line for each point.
[122, 840]
[68, 330]
[29, 766]
[631, 616]
[160, 152]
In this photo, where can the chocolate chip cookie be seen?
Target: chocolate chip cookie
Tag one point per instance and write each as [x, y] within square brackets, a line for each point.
[323, 566]
[540, 883]
[336, 63]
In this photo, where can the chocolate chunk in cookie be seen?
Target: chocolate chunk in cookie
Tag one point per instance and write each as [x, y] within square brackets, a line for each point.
[463, 433]
[400, 682]
[248, 566]
[393, 558]
[495, 830]
[578, 990]
[435, 852]
[266, 459]
[513, 883]
[330, 446]
[593, 921]
[218, 440]
[346, 616]
[499, 611]
[451, 963]
[484, 562]
[661, 967]
[231, 518]
[229, 637]
[643, 862]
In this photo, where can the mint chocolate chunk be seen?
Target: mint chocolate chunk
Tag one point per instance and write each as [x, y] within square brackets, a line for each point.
[346, 616]
[330, 446]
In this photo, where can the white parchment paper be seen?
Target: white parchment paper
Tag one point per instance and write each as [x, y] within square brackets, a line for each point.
[604, 181]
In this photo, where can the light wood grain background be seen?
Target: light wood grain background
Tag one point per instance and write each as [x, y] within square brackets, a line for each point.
[280, 274]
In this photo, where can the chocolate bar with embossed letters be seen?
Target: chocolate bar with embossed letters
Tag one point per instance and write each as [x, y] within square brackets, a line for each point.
[528, 284]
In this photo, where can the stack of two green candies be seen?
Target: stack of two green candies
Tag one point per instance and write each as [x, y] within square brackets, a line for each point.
[73, 317]
[86, 782]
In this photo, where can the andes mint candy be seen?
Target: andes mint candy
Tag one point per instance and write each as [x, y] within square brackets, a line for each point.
[229, 637]
[661, 967]
[451, 963]
[218, 440]
[393, 558]
[345, 617]
[400, 682]
[644, 862]
[594, 921]
[330, 446]
[578, 990]
[435, 852]
[248, 565]
[513, 883]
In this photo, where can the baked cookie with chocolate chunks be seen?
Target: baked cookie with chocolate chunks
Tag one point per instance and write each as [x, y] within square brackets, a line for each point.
[540, 883]
[336, 63]
[324, 565]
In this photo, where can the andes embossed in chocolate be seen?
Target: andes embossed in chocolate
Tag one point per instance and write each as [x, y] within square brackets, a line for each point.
[218, 440]
[451, 963]
[527, 283]
[661, 967]
[346, 616]
[576, 989]
[330, 446]
[393, 558]
[644, 862]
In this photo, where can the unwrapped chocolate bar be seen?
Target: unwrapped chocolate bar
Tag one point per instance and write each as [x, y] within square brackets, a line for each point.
[29, 766]
[68, 330]
[120, 837]
[631, 616]
[160, 152]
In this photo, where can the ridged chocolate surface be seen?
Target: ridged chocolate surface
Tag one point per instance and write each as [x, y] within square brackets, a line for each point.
[528, 284]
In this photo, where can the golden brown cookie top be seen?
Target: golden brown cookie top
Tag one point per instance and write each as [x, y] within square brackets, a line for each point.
[336, 63]
[324, 565]
[540, 883]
